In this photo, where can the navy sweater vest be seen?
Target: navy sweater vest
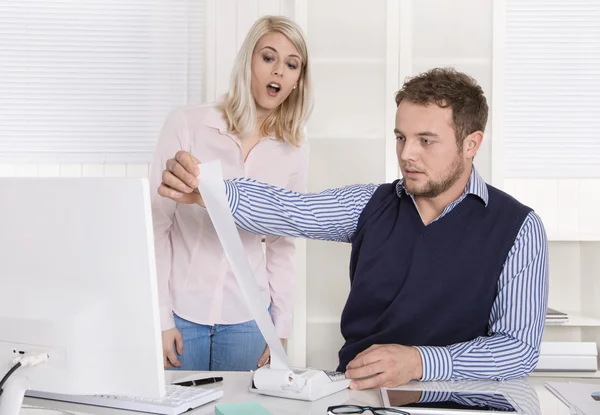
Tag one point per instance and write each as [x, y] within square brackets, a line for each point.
[420, 285]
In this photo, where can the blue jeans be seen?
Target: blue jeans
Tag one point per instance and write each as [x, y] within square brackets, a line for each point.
[227, 347]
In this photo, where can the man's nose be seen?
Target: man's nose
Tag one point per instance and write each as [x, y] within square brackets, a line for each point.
[408, 150]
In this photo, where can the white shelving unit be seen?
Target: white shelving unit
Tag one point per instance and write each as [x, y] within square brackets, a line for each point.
[355, 70]
[576, 319]
[585, 375]
[565, 197]
[580, 327]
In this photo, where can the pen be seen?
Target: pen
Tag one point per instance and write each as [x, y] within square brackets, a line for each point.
[199, 382]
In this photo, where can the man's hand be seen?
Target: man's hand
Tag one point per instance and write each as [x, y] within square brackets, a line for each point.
[171, 341]
[266, 356]
[179, 179]
[388, 365]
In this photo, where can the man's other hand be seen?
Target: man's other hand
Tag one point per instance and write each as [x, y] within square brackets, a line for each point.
[179, 179]
[387, 366]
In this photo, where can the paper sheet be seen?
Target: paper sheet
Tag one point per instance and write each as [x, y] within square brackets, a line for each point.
[212, 189]
[577, 396]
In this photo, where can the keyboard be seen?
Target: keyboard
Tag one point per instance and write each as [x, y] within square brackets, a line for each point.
[334, 375]
[177, 400]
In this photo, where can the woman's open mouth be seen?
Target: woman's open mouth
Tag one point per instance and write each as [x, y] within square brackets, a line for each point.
[273, 89]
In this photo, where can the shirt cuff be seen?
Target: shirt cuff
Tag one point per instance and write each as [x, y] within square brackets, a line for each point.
[437, 363]
[166, 318]
[233, 195]
[283, 325]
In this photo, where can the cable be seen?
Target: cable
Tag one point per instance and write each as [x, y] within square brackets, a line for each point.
[5, 378]
[31, 359]
[23, 361]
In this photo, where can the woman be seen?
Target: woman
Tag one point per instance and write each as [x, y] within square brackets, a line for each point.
[255, 131]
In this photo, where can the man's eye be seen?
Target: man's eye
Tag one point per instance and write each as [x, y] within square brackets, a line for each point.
[400, 138]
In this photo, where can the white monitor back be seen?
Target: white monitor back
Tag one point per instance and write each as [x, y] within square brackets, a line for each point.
[78, 280]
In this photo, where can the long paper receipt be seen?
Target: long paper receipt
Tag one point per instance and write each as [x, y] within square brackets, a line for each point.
[212, 189]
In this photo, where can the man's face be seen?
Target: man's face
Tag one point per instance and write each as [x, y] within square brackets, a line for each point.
[428, 155]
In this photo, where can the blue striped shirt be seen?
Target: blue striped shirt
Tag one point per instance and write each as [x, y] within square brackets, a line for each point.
[516, 323]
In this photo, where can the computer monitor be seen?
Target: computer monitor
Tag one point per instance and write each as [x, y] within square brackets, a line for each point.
[78, 281]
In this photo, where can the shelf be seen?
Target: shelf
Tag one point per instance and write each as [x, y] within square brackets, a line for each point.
[348, 61]
[321, 136]
[586, 375]
[577, 320]
[449, 61]
[572, 237]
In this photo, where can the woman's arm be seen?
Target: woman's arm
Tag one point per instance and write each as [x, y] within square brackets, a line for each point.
[172, 139]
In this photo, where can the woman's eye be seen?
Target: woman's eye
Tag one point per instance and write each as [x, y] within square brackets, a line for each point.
[267, 58]
[292, 66]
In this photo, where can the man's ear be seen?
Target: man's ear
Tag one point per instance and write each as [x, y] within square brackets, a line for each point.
[471, 144]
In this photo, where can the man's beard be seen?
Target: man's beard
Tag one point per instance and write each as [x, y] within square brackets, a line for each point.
[435, 188]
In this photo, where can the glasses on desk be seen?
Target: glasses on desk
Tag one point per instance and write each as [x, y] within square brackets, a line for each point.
[355, 409]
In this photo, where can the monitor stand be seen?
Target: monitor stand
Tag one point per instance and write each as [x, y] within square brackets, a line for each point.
[13, 394]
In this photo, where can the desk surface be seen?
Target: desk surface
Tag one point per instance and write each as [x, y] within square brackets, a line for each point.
[529, 393]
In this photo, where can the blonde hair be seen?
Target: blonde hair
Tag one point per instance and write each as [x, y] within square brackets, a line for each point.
[238, 107]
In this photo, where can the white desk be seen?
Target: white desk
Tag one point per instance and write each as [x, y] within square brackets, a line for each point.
[529, 392]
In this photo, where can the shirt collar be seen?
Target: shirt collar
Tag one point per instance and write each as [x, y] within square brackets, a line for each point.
[214, 119]
[476, 186]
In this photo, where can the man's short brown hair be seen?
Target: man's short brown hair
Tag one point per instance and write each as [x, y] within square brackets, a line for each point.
[448, 88]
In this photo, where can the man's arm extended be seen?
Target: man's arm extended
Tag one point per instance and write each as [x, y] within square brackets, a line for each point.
[269, 210]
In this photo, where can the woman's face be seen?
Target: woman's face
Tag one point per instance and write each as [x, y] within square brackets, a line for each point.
[276, 68]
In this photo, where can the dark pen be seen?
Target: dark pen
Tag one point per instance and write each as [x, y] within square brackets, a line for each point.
[198, 382]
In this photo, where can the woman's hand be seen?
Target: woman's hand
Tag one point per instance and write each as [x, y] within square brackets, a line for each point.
[172, 344]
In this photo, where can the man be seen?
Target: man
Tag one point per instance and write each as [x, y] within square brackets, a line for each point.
[449, 275]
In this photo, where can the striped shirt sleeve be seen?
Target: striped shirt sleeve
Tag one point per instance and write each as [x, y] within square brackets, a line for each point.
[516, 321]
[330, 215]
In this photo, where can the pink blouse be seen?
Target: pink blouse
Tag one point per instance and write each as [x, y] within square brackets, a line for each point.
[195, 280]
